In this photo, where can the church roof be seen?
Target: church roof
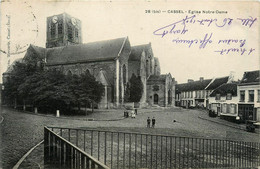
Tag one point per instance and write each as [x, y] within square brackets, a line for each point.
[161, 78]
[136, 52]
[39, 50]
[94, 51]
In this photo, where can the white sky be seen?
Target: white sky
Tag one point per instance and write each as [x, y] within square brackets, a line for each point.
[107, 20]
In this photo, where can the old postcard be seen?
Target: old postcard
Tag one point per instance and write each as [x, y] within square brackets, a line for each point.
[129, 84]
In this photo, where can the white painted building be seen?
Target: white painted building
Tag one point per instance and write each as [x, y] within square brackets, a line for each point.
[249, 96]
[195, 93]
[224, 99]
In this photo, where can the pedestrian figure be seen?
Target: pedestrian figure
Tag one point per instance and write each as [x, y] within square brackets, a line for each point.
[132, 114]
[148, 122]
[153, 122]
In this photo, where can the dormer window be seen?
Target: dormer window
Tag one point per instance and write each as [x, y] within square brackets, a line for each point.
[217, 97]
[229, 96]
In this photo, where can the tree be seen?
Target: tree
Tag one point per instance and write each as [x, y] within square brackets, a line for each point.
[91, 91]
[136, 88]
[16, 77]
[50, 89]
[127, 93]
[46, 88]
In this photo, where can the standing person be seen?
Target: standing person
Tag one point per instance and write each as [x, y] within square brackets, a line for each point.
[148, 122]
[153, 122]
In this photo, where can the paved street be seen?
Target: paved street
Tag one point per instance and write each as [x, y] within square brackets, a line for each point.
[21, 131]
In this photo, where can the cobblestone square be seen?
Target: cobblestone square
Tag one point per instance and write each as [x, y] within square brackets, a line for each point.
[21, 131]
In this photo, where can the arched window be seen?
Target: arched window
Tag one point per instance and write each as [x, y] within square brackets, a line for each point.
[87, 71]
[69, 73]
[169, 97]
[60, 27]
[155, 99]
[124, 74]
[53, 27]
[151, 65]
[147, 67]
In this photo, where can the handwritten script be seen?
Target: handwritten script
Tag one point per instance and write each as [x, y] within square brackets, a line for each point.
[184, 26]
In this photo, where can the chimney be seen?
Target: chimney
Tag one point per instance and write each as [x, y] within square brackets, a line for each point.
[190, 80]
[201, 79]
[231, 77]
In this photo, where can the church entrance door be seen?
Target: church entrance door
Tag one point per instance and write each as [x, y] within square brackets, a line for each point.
[155, 99]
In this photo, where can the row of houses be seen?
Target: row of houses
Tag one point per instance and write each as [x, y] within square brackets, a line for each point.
[228, 98]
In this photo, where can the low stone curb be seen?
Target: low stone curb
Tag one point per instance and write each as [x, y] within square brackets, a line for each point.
[62, 117]
[236, 127]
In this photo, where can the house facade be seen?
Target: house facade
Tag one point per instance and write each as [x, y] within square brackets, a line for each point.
[223, 100]
[249, 96]
[196, 93]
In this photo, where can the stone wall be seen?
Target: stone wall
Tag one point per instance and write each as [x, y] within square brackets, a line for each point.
[151, 91]
[61, 39]
[93, 68]
[123, 64]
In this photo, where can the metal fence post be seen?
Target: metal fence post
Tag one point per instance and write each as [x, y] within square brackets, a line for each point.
[46, 146]
[135, 148]
[118, 150]
[98, 144]
[129, 150]
[170, 152]
[156, 152]
[151, 151]
[141, 162]
[111, 149]
[91, 152]
[124, 153]
[105, 150]
[62, 153]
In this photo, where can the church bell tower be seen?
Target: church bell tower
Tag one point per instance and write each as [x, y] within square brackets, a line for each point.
[63, 30]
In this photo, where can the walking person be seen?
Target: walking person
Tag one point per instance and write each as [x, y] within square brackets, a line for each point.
[153, 122]
[148, 122]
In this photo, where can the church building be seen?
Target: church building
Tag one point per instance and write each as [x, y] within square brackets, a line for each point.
[112, 62]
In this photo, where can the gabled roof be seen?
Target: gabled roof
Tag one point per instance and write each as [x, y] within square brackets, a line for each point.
[157, 78]
[102, 78]
[136, 51]
[192, 86]
[252, 77]
[39, 50]
[224, 89]
[94, 51]
[217, 82]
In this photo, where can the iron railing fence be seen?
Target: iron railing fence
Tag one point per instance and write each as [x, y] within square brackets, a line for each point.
[135, 150]
[60, 153]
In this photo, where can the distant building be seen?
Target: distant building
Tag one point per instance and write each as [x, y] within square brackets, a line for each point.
[195, 93]
[249, 96]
